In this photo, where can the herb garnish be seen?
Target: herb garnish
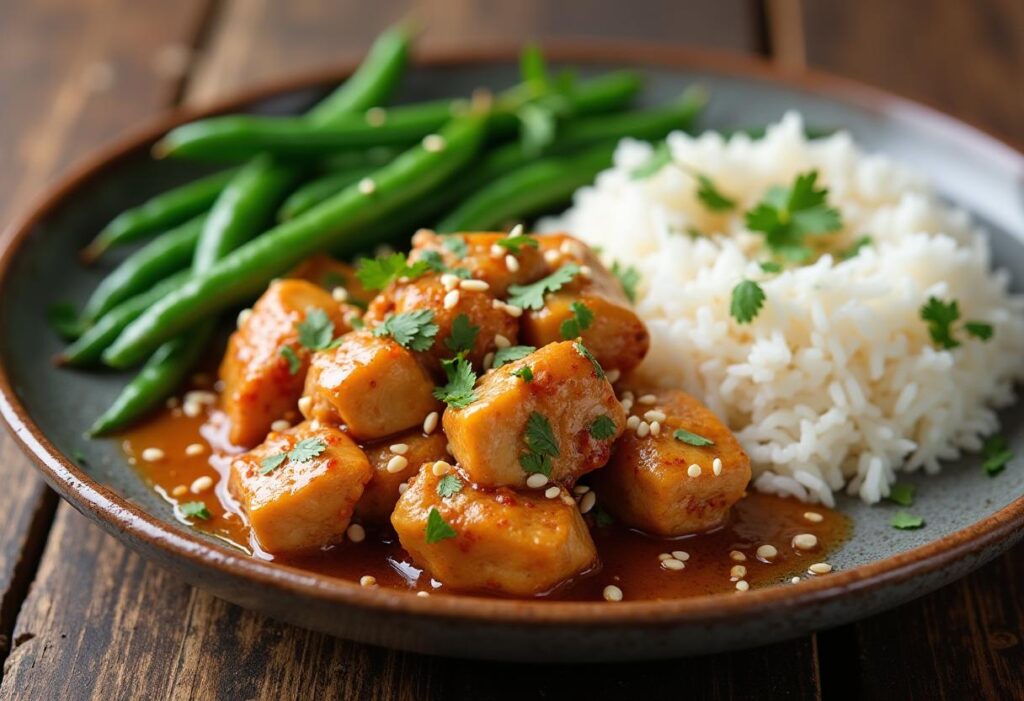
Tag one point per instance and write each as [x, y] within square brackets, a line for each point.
[304, 451]
[770, 266]
[602, 428]
[941, 316]
[433, 260]
[747, 300]
[585, 352]
[787, 215]
[524, 373]
[601, 517]
[458, 393]
[979, 329]
[514, 244]
[316, 331]
[684, 436]
[855, 247]
[629, 278]
[996, 453]
[660, 157]
[541, 445]
[437, 528]
[532, 296]
[906, 521]
[580, 321]
[711, 197]
[289, 354]
[901, 493]
[463, 335]
[414, 330]
[378, 273]
[195, 509]
[510, 354]
[448, 485]
[456, 244]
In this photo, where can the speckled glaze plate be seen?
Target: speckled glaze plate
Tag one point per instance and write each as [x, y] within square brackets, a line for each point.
[970, 518]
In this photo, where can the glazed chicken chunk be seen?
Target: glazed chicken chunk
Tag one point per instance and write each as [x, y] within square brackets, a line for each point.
[683, 480]
[538, 414]
[395, 460]
[371, 384]
[299, 488]
[265, 365]
[498, 541]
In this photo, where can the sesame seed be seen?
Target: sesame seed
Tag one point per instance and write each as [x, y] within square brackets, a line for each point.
[511, 263]
[612, 593]
[681, 555]
[654, 415]
[813, 516]
[192, 409]
[201, 484]
[367, 580]
[397, 463]
[767, 552]
[501, 342]
[795, 580]
[566, 248]
[586, 271]
[627, 395]
[497, 251]
[450, 281]
[552, 492]
[694, 470]
[179, 491]
[376, 116]
[474, 285]
[201, 396]
[356, 533]
[516, 230]
[716, 466]
[152, 454]
[820, 568]
[642, 429]
[433, 143]
[314, 424]
[399, 448]
[512, 310]
[587, 502]
[243, 316]
[536, 480]
[805, 541]
[339, 294]
[737, 556]
[627, 406]
[430, 423]
[655, 428]
[440, 468]
[742, 585]
[673, 564]
[612, 375]
[423, 593]
[451, 299]
[551, 257]
[194, 449]
[664, 556]
[568, 500]
[367, 186]
[632, 422]
[280, 425]
[488, 361]
[738, 571]
[647, 399]
[305, 405]
[402, 487]
[448, 448]
[580, 489]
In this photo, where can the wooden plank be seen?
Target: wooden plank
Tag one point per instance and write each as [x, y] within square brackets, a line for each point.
[71, 75]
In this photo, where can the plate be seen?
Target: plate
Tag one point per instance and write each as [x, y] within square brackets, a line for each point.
[970, 518]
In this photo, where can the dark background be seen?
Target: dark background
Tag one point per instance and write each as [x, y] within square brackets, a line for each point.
[81, 616]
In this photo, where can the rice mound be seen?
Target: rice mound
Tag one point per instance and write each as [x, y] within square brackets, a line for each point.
[836, 384]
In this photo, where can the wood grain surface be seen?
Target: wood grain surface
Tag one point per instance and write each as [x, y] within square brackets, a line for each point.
[99, 622]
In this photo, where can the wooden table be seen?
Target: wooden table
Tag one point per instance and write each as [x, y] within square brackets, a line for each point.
[81, 616]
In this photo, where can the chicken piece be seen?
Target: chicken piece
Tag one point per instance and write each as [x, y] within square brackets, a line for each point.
[428, 292]
[301, 500]
[504, 542]
[261, 384]
[615, 334]
[484, 258]
[650, 482]
[372, 385]
[331, 274]
[563, 400]
[381, 493]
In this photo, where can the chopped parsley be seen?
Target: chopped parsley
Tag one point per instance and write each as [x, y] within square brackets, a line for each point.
[510, 354]
[629, 278]
[901, 493]
[579, 322]
[524, 373]
[541, 445]
[770, 266]
[532, 296]
[979, 329]
[585, 352]
[289, 354]
[414, 330]
[855, 247]
[356, 322]
[458, 393]
[996, 454]
[514, 244]
[456, 244]
[786, 216]
[601, 517]
[684, 436]
[941, 316]
[463, 335]
[747, 300]
[195, 509]
[448, 485]
[304, 451]
[660, 157]
[711, 197]
[316, 331]
[906, 521]
[434, 261]
[378, 273]
[437, 528]
[603, 428]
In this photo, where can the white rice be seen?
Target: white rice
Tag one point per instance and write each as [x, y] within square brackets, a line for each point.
[836, 384]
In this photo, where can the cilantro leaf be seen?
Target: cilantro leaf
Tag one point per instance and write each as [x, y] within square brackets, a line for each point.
[433, 260]
[272, 462]
[510, 354]
[602, 428]
[940, 317]
[979, 329]
[448, 485]
[601, 517]
[541, 445]
[906, 521]
[710, 196]
[414, 330]
[289, 354]
[356, 322]
[517, 243]
[437, 528]
[532, 296]
[533, 462]
[580, 321]
[769, 266]
[456, 244]
[855, 247]
[996, 453]
[463, 335]
[524, 373]
[378, 273]
[585, 352]
[307, 449]
[786, 216]
[195, 509]
[747, 300]
[901, 493]
[458, 393]
[629, 278]
[316, 331]
[684, 436]
[660, 158]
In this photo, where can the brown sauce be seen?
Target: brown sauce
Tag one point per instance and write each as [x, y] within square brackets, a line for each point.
[629, 560]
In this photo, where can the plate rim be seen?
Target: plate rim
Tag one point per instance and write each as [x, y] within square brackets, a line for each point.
[122, 518]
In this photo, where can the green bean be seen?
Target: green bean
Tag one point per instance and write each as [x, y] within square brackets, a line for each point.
[532, 189]
[159, 213]
[344, 217]
[153, 262]
[316, 191]
[88, 348]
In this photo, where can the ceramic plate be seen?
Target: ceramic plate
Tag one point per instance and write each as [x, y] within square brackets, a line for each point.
[970, 518]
